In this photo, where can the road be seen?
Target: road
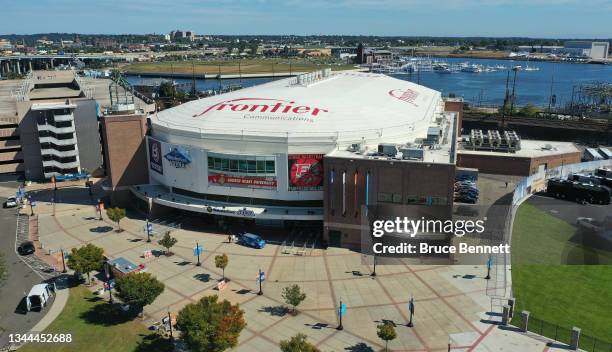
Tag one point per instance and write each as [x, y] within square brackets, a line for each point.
[19, 280]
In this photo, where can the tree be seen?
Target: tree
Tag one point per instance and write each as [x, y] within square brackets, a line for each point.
[86, 259]
[139, 289]
[293, 296]
[386, 332]
[167, 242]
[221, 262]
[529, 110]
[115, 215]
[208, 325]
[297, 343]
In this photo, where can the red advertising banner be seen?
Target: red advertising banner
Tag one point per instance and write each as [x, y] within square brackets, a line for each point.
[242, 181]
[305, 172]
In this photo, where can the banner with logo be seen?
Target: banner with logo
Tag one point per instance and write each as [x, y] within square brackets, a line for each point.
[221, 179]
[155, 156]
[305, 172]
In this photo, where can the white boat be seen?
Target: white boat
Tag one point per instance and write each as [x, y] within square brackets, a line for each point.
[441, 68]
[531, 68]
[471, 68]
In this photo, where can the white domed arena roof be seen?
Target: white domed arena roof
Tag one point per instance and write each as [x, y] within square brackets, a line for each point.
[342, 106]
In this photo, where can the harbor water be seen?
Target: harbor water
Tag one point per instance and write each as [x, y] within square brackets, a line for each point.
[479, 88]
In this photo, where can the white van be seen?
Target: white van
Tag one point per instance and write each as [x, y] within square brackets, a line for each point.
[38, 296]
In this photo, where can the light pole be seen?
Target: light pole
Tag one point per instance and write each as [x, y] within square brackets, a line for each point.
[374, 272]
[341, 310]
[170, 324]
[411, 309]
[63, 262]
[489, 264]
[260, 280]
[108, 282]
[148, 228]
[198, 253]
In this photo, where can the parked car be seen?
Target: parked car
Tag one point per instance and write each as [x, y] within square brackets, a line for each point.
[252, 240]
[10, 202]
[26, 248]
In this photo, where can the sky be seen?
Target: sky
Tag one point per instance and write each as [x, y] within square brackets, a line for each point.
[487, 18]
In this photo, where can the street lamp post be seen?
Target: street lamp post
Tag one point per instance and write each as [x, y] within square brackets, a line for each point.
[411, 309]
[260, 280]
[108, 282]
[340, 313]
[374, 272]
[148, 231]
[198, 253]
[489, 264]
[63, 262]
[170, 324]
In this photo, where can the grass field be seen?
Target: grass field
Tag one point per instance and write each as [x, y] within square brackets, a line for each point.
[246, 66]
[566, 295]
[97, 326]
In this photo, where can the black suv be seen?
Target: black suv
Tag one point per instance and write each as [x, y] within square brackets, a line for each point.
[26, 248]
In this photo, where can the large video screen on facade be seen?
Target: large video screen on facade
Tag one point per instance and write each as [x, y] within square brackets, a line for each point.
[249, 171]
[220, 179]
[305, 172]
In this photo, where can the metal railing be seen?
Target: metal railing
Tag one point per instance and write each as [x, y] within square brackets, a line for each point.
[562, 334]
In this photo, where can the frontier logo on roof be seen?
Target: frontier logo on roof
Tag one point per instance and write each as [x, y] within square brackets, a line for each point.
[407, 95]
[265, 106]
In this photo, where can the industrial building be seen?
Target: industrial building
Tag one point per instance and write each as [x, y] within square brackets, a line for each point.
[592, 50]
[311, 149]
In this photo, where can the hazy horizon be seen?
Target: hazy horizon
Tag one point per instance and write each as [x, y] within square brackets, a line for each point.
[538, 19]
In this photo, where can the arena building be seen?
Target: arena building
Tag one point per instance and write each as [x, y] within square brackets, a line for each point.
[313, 148]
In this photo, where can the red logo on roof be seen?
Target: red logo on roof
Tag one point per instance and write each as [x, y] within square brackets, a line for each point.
[262, 105]
[407, 95]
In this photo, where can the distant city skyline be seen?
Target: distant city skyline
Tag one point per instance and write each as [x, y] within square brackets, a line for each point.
[458, 18]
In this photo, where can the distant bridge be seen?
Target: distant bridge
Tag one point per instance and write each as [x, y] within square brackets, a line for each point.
[26, 63]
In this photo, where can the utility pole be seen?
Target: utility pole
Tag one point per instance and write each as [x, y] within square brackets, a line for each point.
[503, 121]
[513, 97]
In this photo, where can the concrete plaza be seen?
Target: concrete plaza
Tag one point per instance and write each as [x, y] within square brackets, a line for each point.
[451, 304]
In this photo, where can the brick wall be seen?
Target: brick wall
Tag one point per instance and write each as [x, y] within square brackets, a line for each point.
[124, 148]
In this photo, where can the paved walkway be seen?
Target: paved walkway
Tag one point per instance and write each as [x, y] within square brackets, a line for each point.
[451, 301]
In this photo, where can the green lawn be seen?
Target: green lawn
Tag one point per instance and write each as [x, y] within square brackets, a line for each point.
[566, 295]
[231, 67]
[97, 326]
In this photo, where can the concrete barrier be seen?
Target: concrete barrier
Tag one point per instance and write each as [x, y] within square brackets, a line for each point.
[575, 338]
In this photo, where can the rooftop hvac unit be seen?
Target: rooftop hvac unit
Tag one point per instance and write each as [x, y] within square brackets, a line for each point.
[495, 140]
[547, 146]
[301, 79]
[387, 149]
[477, 138]
[512, 140]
